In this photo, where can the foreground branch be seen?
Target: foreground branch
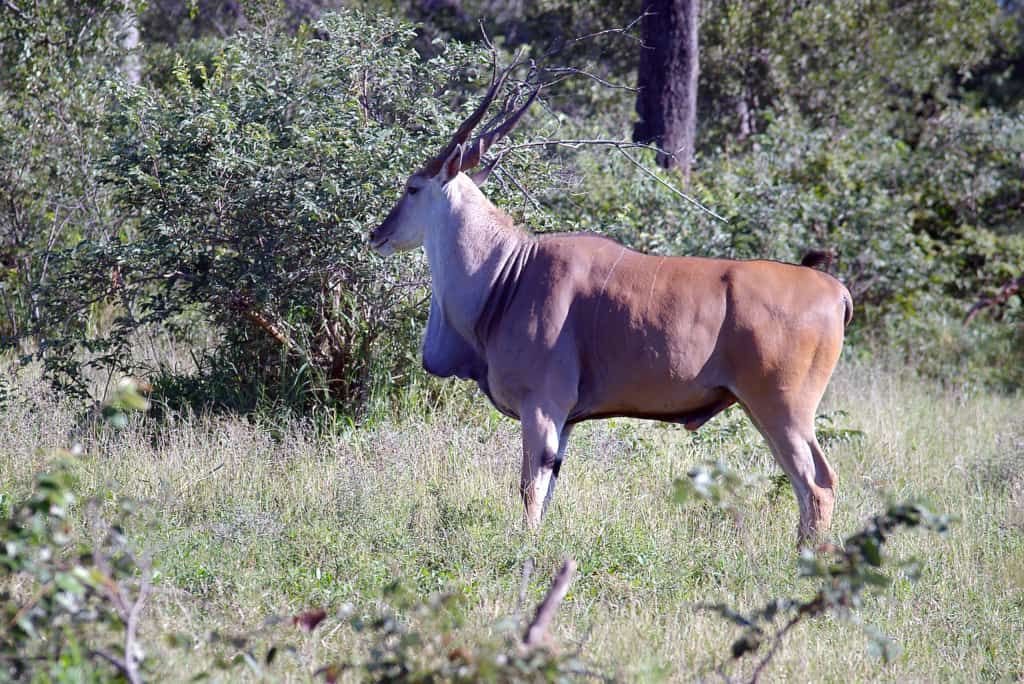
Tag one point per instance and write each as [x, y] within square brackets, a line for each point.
[537, 631]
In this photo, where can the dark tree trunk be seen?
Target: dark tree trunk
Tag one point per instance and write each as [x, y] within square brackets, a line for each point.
[667, 78]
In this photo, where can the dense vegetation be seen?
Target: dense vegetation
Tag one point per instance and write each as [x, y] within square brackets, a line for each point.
[185, 191]
[222, 200]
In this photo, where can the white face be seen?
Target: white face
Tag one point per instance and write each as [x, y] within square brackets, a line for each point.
[405, 227]
[424, 206]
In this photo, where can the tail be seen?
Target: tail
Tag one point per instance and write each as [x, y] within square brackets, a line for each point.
[818, 257]
[848, 305]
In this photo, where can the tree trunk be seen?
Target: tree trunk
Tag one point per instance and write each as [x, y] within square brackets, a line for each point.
[667, 78]
[128, 37]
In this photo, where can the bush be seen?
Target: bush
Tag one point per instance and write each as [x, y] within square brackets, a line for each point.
[54, 59]
[919, 232]
[251, 186]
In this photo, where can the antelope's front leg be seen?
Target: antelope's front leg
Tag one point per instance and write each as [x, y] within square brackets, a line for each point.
[541, 430]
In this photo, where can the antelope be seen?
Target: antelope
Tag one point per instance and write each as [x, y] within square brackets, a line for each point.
[561, 328]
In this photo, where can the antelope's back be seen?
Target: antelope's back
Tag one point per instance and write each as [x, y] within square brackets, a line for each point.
[664, 332]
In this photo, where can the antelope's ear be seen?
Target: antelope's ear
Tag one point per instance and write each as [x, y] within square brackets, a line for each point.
[480, 177]
[452, 165]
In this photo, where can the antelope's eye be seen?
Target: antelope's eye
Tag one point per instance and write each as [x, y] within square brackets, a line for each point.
[412, 190]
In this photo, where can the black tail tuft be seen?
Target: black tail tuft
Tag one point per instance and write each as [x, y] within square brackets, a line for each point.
[818, 257]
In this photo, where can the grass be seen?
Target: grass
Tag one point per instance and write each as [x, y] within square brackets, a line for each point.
[249, 518]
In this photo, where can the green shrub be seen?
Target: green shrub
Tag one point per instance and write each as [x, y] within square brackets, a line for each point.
[54, 59]
[919, 232]
[250, 185]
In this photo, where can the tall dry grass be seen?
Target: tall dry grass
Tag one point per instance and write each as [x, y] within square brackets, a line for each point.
[251, 517]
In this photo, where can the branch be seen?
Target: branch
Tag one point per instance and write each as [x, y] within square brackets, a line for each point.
[776, 644]
[668, 185]
[243, 305]
[1005, 292]
[624, 31]
[132, 626]
[524, 585]
[118, 664]
[537, 632]
[621, 146]
[573, 71]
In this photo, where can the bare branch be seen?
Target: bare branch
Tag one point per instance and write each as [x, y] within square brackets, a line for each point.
[521, 188]
[580, 72]
[1005, 292]
[668, 185]
[621, 146]
[776, 644]
[623, 31]
[118, 664]
[132, 624]
[524, 585]
[537, 631]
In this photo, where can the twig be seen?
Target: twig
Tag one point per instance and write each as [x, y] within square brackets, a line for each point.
[580, 72]
[668, 185]
[197, 480]
[622, 146]
[1005, 292]
[118, 664]
[537, 632]
[776, 644]
[132, 625]
[522, 189]
[30, 604]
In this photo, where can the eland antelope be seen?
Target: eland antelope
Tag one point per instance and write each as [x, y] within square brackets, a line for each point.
[558, 329]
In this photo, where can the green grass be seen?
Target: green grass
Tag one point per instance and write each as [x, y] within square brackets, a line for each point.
[248, 519]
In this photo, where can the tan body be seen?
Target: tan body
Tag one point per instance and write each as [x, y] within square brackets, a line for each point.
[561, 329]
[667, 338]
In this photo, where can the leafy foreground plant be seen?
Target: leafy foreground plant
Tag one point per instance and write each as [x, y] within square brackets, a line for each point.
[71, 598]
[845, 573]
[398, 654]
[72, 604]
[423, 646]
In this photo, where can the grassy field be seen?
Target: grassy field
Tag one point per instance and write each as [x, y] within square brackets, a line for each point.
[248, 519]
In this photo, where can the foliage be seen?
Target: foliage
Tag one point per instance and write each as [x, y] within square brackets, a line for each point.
[54, 58]
[919, 232]
[73, 594]
[845, 573]
[73, 603]
[427, 647]
[251, 187]
[845, 63]
[241, 176]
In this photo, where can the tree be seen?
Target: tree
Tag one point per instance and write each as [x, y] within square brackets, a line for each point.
[667, 79]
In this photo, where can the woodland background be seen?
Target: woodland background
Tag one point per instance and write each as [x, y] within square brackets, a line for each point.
[186, 187]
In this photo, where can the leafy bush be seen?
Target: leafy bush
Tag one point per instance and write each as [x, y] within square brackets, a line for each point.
[844, 574]
[251, 186]
[54, 59]
[919, 231]
[72, 598]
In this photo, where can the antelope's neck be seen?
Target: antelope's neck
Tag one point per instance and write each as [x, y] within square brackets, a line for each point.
[475, 264]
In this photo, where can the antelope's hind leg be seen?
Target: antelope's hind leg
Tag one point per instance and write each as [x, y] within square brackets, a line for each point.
[789, 431]
[813, 479]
